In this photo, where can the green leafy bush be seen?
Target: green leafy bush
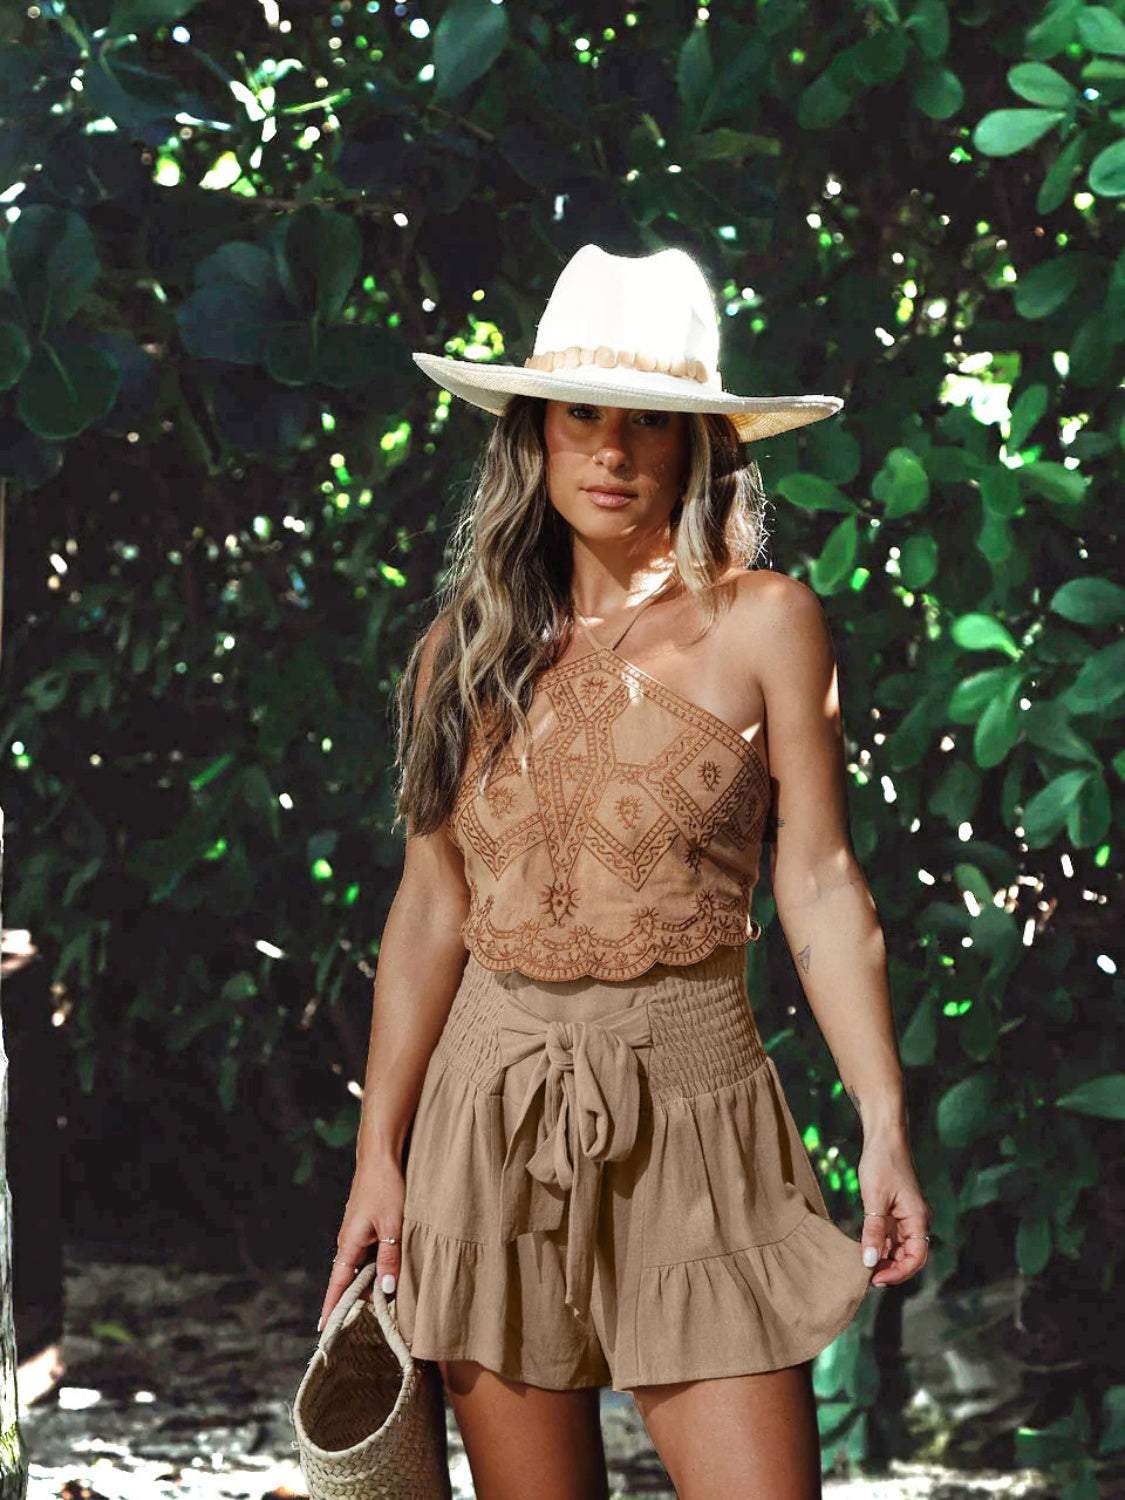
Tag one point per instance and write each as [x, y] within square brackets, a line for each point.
[230, 488]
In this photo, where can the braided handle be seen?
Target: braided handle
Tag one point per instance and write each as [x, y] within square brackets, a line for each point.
[348, 1306]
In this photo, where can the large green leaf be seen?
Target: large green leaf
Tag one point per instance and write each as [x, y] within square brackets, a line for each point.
[1100, 681]
[1055, 482]
[1049, 726]
[236, 307]
[1090, 601]
[918, 562]
[1047, 811]
[695, 75]
[919, 1036]
[1104, 1097]
[367, 357]
[980, 632]
[1107, 171]
[290, 353]
[137, 98]
[1064, 169]
[65, 389]
[15, 351]
[1088, 821]
[812, 492]
[901, 484]
[53, 263]
[1101, 30]
[1042, 290]
[928, 21]
[875, 59]
[957, 793]
[1029, 407]
[837, 557]
[1000, 489]
[144, 15]
[1040, 84]
[320, 260]
[938, 92]
[468, 39]
[972, 695]
[1033, 1244]
[822, 103]
[968, 1110]
[1006, 131]
[998, 727]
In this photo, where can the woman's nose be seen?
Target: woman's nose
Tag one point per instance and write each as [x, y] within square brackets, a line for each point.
[612, 453]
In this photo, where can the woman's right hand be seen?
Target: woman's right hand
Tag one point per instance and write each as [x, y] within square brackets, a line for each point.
[374, 1211]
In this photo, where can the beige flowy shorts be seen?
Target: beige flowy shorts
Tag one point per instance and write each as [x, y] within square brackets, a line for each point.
[605, 1186]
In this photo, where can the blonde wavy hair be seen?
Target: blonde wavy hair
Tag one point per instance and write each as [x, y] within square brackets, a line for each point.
[504, 611]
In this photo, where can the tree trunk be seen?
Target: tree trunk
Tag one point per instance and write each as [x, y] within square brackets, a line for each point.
[13, 1451]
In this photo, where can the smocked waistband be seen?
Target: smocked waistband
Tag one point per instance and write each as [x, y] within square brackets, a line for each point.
[703, 1032]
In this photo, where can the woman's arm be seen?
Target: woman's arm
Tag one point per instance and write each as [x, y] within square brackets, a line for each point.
[421, 957]
[823, 901]
[827, 912]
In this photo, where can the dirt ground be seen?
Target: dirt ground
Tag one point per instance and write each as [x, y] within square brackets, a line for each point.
[178, 1384]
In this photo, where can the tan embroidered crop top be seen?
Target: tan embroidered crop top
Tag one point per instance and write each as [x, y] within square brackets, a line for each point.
[631, 836]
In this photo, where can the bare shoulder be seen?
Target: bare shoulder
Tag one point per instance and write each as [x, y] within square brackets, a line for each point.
[432, 639]
[420, 666]
[765, 589]
[765, 600]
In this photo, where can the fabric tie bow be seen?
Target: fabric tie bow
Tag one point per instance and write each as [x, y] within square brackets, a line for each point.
[581, 1109]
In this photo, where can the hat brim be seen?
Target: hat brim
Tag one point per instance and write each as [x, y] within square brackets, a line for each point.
[489, 386]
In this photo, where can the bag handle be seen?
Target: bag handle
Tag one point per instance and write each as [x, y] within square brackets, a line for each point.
[348, 1306]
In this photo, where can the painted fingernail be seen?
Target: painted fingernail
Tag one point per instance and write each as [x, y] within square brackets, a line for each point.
[319, 1321]
[870, 1255]
[388, 1282]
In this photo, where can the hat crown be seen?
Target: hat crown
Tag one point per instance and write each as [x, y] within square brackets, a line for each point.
[658, 305]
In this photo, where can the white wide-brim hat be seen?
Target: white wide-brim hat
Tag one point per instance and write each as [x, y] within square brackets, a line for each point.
[633, 331]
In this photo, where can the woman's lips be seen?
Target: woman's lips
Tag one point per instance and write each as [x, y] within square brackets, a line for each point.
[608, 500]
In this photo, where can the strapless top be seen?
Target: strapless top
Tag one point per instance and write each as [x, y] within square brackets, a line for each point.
[630, 834]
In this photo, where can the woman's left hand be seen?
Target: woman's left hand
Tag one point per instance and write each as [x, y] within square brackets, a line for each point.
[897, 1217]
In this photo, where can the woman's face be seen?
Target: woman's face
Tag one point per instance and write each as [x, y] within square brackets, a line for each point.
[617, 447]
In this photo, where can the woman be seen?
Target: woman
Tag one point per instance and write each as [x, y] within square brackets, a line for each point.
[575, 1159]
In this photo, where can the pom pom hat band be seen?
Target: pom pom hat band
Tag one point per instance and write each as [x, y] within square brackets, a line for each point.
[632, 331]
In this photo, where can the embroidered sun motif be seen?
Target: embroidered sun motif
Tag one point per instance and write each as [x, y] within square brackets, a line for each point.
[590, 689]
[709, 772]
[559, 899]
[628, 809]
[500, 799]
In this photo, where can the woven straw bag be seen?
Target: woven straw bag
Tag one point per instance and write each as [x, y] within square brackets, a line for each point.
[369, 1418]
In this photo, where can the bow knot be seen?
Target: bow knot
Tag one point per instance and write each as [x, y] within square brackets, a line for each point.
[581, 1109]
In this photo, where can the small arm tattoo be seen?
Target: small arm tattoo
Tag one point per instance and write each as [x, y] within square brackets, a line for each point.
[805, 956]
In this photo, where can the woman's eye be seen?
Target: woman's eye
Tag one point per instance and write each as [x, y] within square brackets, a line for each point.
[649, 418]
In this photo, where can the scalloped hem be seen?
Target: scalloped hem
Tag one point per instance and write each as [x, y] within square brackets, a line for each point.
[461, 1299]
[751, 1310]
[742, 1312]
[599, 966]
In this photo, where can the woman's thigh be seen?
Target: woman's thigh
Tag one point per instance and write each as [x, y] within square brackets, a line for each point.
[738, 1438]
[523, 1440]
